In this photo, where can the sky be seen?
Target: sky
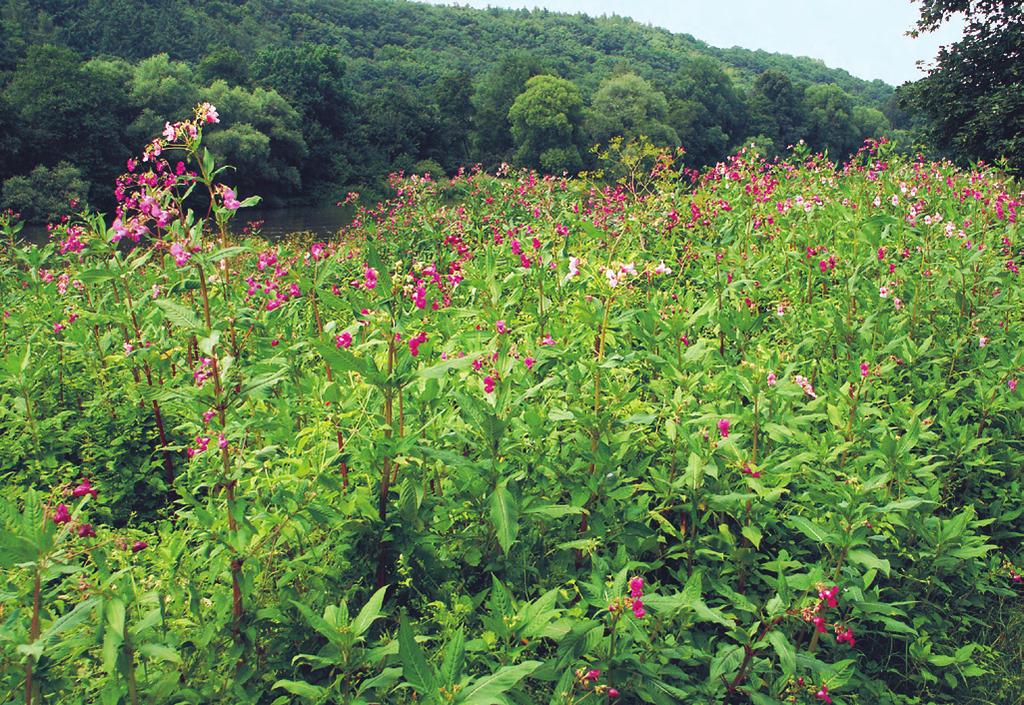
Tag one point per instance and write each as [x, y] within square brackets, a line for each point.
[865, 37]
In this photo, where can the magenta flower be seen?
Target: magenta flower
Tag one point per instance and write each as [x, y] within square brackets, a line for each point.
[592, 675]
[847, 637]
[231, 202]
[86, 531]
[865, 369]
[529, 362]
[772, 379]
[83, 489]
[488, 384]
[222, 441]
[636, 587]
[343, 341]
[139, 546]
[613, 693]
[829, 595]
[370, 278]
[819, 624]
[1012, 385]
[823, 693]
[61, 515]
[638, 609]
[501, 327]
[415, 342]
[723, 427]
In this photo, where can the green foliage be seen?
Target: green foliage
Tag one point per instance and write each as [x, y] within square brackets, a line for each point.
[737, 436]
[628, 106]
[378, 86]
[546, 120]
[972, 98]
[45, 194]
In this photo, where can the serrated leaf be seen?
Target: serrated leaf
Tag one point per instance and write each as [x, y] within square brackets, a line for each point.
[489, 689]
[415, 669]
[370, 612]
[504, 516]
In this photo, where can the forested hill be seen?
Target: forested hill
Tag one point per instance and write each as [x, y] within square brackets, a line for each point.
[320, 96]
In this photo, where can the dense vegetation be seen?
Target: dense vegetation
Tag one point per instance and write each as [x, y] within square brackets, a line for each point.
[327, 96]
[751, 435]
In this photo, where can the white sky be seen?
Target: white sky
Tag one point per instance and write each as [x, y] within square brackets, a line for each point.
[865, 37]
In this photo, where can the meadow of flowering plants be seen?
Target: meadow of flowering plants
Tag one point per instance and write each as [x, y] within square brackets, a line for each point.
[752, 435]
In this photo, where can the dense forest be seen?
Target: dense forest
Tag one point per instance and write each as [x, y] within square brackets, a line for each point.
[321, 97]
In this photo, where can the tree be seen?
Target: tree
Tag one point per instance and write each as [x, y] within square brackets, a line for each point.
[68, 112]
[546, 119]
[45, 193]
[706, 111]
[777, 109]
[493, 95]
[830, 125]
[973, 96]
[628, 106]
[226, 64]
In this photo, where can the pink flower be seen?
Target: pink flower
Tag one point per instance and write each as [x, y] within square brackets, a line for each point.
[86, 531]
[613, 693]
[662, 269]
[169, 132]
[231, 202]
[883, 291]
[829, 595]
[806, 385]
[772, 379]
[83, 489]
[847, 637]
[488, 384]
[1012, 385]
[819, 624]
[982, 341]
[222, 441]
[638, 609]
[180, 254]
[415, 342]
[574, 267]
[613, 279]
[139, 546]
[636, 587]
[865, 369]
[501, 327]
[529, 363]
[61, 515]
[207, 113]
[823, 693]
[274, 343]
[343, 341]
[370, 278]
[548, 340]
[592, 675]
[723, 427]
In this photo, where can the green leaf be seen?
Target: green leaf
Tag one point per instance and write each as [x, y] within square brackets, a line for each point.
[489, 689]
[454, 659]
[505, 516]
[160, 652]
[785, 651]
[306, 691]
[753, 534]
[815, 532]
[179, 315]
[415, 669]
[866, 558]
[370, 612]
